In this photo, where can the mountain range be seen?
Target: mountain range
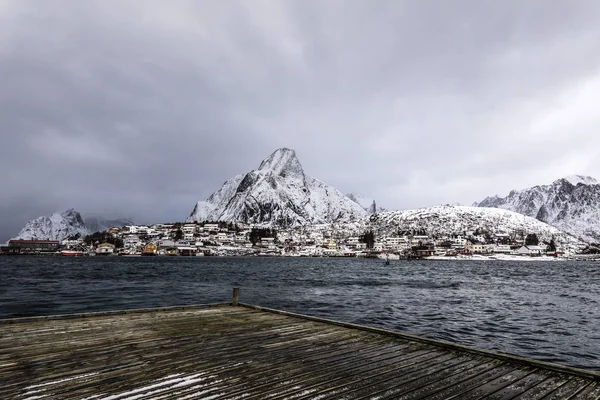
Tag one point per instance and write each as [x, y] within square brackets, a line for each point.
[277, 193]
[441, 221]
[571, 204]
[67, 224]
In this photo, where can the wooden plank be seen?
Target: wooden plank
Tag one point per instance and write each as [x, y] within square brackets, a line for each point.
[590, 392]
[442, 344]
[544, 388]
[455, 381]
[238, 352]
[427, 389]
[401, 380]
[519, 388]
[567, 390]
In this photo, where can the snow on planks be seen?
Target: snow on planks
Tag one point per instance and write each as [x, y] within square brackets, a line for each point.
[246, 352]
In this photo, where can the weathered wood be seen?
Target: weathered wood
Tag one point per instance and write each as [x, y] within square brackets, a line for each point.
[236, 297]
[226, 352]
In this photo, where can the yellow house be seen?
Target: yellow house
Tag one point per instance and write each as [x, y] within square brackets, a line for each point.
[150, 249]
[330, 244]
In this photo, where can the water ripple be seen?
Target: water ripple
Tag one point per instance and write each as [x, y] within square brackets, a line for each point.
[547, 311]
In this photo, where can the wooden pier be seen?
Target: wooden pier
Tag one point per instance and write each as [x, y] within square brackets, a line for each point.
[238, 351]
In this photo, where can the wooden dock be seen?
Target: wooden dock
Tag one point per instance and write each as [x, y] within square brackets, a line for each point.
[230, 351]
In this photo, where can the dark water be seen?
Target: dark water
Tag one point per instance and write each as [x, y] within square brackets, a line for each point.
[543, 310]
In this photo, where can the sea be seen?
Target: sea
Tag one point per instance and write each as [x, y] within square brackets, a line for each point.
[548, 311]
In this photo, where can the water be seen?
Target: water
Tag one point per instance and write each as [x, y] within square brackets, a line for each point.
[542, 310]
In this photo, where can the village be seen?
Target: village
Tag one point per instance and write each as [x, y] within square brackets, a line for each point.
[239, 239]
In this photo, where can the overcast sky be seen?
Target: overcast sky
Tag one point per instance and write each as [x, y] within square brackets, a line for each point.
[140, 108]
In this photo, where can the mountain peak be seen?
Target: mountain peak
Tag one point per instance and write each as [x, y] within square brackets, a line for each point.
[277, 193]
[575, 179]
[58, 226]
[282, 162]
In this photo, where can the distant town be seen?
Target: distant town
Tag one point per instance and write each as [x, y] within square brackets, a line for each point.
[239, 239]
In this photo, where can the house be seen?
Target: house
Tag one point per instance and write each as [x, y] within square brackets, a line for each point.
[222, 237]
[188, 236]
[394, 243]
[330, 244]
[130, 241]
[186, 251]
[189, 228]
[211, 227]
[424, 250]
[268, 242]
[104, 249]
[475, 248]
[164, 243]
[459, 242]
[499, 248]
[71, 242]
[361, 246]
[150, 249]
[6, 250]
[32, 246]
[353, 241]
[533, 251]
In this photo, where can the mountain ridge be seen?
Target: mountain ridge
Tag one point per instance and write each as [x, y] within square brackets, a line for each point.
[571, 204]
[60, 226]
[278, 193]
[445, 220]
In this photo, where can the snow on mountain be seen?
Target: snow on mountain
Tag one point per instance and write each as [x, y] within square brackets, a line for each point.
[97, 224]
[442, 221]
[278, 193]
[368, 204]
[571, 204]
[210, 210]
[586, 180]
[58, 226]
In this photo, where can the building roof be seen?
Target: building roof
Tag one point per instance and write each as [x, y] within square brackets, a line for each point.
[33, 241]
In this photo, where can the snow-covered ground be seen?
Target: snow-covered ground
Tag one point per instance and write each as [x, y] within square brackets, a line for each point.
[495, 257]
[440, 221]
[571, 204]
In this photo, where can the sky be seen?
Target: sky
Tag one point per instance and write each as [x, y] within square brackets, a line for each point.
[132, 108]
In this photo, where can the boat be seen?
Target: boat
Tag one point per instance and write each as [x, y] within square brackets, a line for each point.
[71, 253]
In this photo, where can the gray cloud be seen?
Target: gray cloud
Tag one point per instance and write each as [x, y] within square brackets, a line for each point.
[126, 108]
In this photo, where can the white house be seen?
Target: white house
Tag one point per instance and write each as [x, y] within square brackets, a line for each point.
[105, 249]
[131, 241]
[530, 251]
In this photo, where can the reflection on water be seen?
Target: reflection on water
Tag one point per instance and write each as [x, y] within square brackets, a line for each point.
[547, 311]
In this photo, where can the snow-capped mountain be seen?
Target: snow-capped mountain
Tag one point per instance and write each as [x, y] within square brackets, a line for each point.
[571, 204]
[278, 193]
[97, 224]
[441, 221]
[58, 226]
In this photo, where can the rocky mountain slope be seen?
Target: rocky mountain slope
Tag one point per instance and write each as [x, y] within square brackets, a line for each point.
[58, 226]
[278, 193]
[571, 204]
[441, 221]
[61, 226]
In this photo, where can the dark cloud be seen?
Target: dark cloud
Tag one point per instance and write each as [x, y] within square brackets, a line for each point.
[126, 108]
